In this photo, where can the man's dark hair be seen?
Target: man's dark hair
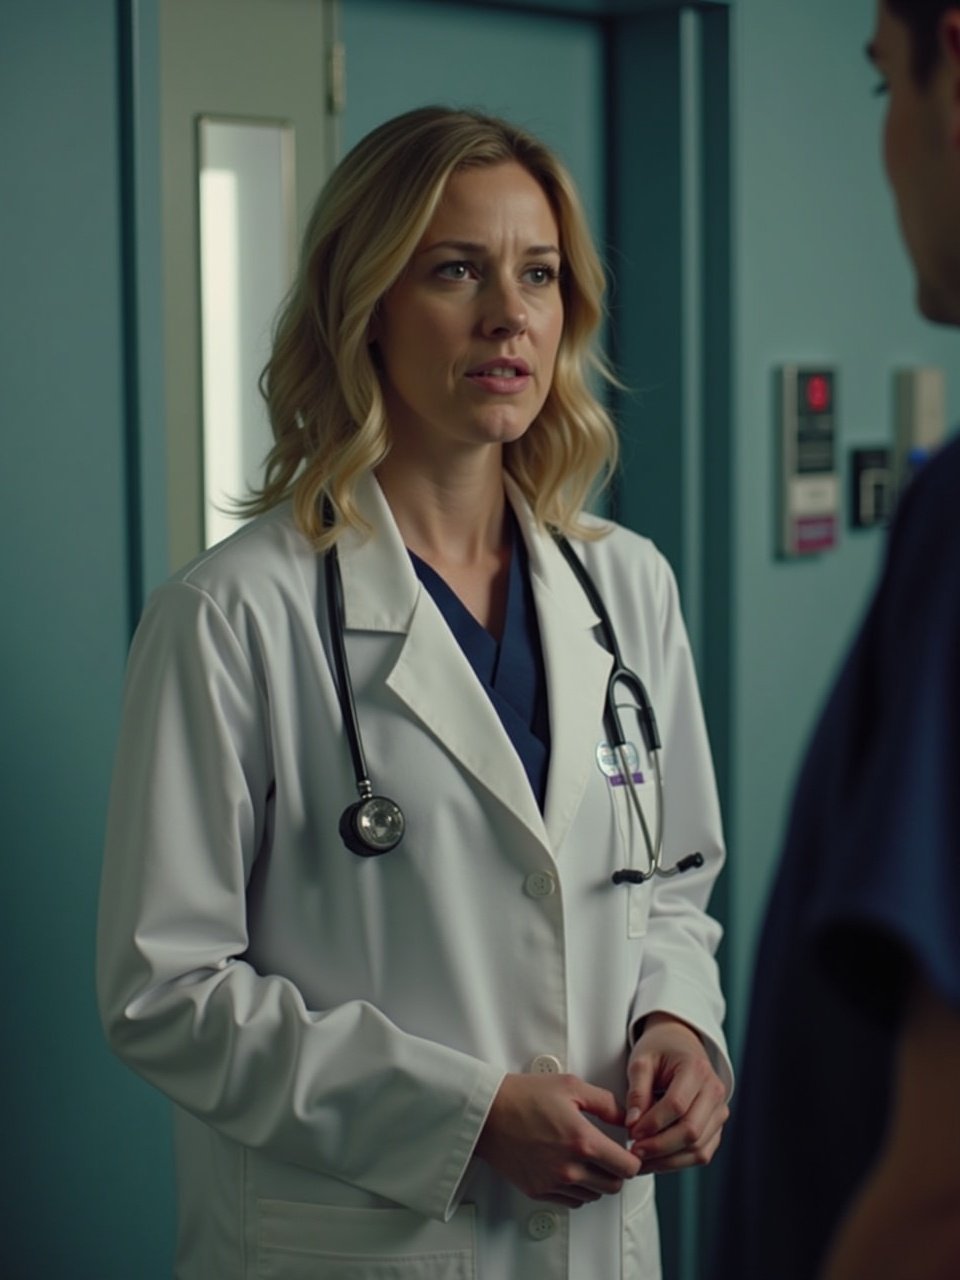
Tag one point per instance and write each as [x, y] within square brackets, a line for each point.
[923, 19]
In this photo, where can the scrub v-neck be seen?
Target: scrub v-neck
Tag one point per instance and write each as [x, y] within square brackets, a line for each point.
[511, 671]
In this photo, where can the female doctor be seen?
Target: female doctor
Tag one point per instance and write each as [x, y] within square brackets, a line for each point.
[422, 1035]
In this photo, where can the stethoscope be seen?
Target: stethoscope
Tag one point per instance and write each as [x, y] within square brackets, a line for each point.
[375, 824]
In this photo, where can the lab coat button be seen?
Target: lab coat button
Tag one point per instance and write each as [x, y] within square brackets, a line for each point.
[545, 1064]
[539, 884]
[542, 1225]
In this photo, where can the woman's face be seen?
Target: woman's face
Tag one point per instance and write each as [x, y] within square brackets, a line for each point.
[468, 335]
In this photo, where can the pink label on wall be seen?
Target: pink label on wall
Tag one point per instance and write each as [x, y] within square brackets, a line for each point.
[814, 533]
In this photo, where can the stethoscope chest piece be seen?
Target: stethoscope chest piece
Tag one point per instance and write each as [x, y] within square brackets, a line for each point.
[372, 826]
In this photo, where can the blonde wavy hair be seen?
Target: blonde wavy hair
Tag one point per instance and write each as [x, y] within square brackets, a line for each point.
[321, 383]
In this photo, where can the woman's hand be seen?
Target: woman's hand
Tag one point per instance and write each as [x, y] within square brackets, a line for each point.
[538, 1137]
[676, 1104]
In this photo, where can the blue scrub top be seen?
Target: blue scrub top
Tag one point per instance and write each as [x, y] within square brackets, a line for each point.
[867, 898]
[511, 671]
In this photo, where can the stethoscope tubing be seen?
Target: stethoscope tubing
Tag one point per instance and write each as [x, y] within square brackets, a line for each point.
[335, 610]
[620, 673]
[366, 814]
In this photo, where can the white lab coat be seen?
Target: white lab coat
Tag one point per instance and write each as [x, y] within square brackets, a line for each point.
[333, 1029]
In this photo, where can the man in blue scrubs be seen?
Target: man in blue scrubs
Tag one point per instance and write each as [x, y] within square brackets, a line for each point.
[845, 1152]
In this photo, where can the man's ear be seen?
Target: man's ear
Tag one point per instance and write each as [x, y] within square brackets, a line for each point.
[950, 30]
[950, 52]
[950, 38]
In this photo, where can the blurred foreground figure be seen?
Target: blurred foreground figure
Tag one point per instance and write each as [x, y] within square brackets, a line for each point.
[845, 1152]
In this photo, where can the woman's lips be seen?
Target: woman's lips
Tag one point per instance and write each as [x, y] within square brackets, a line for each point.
[501, 377]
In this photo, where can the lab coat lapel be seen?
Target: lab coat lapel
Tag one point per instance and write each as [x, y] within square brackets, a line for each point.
[431, 675]
[577, 670]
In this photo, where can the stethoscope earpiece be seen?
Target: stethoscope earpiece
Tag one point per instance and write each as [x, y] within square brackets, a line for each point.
[372, 826]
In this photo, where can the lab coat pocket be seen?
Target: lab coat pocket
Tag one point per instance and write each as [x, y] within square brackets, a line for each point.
[641, 1237]
[638, 909]
[326, 1242]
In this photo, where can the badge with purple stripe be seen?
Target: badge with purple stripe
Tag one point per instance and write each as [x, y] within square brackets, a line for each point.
[610, 759]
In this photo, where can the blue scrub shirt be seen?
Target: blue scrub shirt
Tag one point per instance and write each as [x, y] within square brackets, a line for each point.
[866, 900]
[511, 670]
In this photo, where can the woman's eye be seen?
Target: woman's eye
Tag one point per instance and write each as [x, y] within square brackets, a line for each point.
[880, 89]
[540, 275]
[455, 271]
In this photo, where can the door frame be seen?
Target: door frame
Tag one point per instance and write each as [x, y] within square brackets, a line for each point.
[668, 74]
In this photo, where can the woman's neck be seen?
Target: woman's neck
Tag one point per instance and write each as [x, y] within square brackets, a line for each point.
[453, 516]
[456, 520]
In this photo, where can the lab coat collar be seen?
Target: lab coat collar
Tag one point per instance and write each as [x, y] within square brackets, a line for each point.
[382, 593]
[577, 669]
[380, 587]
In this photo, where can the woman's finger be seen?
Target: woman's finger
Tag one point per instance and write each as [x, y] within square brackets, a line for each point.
[694, 1134]
[689, 1159]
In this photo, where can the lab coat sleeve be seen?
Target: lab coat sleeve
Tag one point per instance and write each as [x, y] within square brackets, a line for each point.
[679, 973]
[341, 1091]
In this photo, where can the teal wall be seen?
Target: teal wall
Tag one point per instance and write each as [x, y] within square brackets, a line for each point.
[818, 274]
[407, 53]
[85, 1191]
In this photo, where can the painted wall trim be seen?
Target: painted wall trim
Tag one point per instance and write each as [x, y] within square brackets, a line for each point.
[670, 232]
[143, 356]
[593, 9]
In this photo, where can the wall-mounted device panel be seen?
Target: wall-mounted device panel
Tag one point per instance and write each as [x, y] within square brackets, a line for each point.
[871, 487]
[809, 487]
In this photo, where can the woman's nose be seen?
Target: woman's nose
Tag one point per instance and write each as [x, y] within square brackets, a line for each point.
[504, 314]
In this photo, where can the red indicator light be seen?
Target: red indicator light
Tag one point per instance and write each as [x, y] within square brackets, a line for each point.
[818, 393]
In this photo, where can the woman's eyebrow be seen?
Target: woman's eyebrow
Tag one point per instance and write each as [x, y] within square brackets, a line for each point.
[472, 247]
[872, 52]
